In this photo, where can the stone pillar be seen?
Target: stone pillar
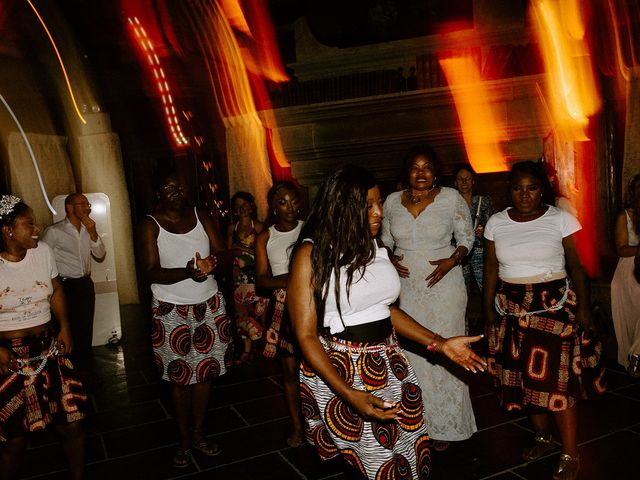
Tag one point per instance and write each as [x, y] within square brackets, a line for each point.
[97, 160]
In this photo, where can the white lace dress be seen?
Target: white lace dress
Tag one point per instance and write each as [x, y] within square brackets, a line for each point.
[441, 308]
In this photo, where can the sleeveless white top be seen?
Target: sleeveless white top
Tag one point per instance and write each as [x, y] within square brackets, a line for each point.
[175, 250]
[370, 295]
[280, 247]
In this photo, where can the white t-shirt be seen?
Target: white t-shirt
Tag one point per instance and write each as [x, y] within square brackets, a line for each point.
[369, 296]
[526, 249]
[25, 289]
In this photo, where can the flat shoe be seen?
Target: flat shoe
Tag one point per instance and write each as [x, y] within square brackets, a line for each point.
[209, 449]
[538, 448]
[182, 458]
[568, 467]
[634, 366]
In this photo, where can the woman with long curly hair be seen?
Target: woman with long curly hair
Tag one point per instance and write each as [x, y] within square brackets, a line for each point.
[360, 396]
[625, 289]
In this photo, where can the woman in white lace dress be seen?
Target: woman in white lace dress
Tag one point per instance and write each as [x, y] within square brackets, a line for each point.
[417, 227]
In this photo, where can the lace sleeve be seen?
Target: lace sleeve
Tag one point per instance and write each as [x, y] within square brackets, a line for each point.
[462, 226]
[385, 236]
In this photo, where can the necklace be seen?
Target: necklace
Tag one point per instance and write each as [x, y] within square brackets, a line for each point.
[415, 199]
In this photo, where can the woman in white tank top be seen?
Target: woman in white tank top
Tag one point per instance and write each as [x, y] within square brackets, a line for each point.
[273, 250]
[191, 333]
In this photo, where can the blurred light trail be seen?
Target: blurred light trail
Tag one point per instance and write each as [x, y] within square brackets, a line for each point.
[160, 81]
[233, 11]
[480, 130]
[229, 67]
[572, 99]
[64, 70]
[571, 84]
[31, 154]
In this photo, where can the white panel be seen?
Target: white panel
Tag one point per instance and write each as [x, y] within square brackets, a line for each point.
[106, 322]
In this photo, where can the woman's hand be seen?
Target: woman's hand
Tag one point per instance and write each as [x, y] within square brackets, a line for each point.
[371, 408]
[64, 341]
[479, 231]
[403, 271]
[458, 350]
[199, 268]
[7, 361]
[443, 267]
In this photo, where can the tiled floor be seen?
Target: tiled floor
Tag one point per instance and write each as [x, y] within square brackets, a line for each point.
[131, 433]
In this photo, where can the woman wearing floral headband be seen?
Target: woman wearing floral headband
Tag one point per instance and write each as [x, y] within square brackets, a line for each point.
[37, 384]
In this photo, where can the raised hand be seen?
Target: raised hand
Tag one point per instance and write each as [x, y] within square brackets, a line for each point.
[458, 350]
[205, 265]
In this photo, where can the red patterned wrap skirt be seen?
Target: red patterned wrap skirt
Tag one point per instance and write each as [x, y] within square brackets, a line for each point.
[53, 396]
[399, 449]
[191, 343]
[540, 356]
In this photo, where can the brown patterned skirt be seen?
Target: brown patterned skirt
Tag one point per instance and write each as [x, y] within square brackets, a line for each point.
[539, 355]
[53, 396]
[399, 449]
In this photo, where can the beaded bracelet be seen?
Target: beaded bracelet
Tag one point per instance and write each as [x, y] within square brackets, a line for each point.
[433, 346]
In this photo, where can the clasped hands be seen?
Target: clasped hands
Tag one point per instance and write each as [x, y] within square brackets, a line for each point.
[199, 268]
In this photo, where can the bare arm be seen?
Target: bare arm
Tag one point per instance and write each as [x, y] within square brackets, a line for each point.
[456, 348]
[302, 310]
[264, 279]
[623, 249]
[580, 281]
[59, 308]
[150, 258]
[490, 281]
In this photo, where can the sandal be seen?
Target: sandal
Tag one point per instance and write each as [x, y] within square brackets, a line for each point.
[209, 449]
[182, 458]
[538, 448]
[568, 467]
[295, 442]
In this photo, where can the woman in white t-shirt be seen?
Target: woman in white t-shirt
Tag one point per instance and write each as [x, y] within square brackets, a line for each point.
[360, 396]
[38, 386]
[537, 351]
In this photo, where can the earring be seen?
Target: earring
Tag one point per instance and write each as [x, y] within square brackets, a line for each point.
[10, 234]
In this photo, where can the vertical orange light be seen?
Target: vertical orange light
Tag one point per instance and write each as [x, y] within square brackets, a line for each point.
[480, 130]
[160, 80]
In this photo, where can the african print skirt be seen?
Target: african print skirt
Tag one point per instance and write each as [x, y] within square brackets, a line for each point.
[191, 343]
[544, 359]
[391, 450]
[250, 311]
[278, 334]
[53, 396]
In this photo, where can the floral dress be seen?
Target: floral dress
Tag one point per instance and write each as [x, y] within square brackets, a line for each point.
[250, 309]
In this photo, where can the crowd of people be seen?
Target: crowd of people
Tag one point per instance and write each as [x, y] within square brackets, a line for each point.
[363, 303]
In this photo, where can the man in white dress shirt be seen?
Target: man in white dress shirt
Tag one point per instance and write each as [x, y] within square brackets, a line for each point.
[74, 241]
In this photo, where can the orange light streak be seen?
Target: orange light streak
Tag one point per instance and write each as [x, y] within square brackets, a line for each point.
[480, 130]
[160, 81]
[64, 70]
[570, 80]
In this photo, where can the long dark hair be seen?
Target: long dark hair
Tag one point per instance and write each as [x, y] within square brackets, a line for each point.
[9, 218]
[537, 171]
[633, 202]
[339, 227]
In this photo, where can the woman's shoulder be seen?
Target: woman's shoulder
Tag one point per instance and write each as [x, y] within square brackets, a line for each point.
[394, 198]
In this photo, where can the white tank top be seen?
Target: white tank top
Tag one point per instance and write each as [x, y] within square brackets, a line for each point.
[175, 250]
[279, 248]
